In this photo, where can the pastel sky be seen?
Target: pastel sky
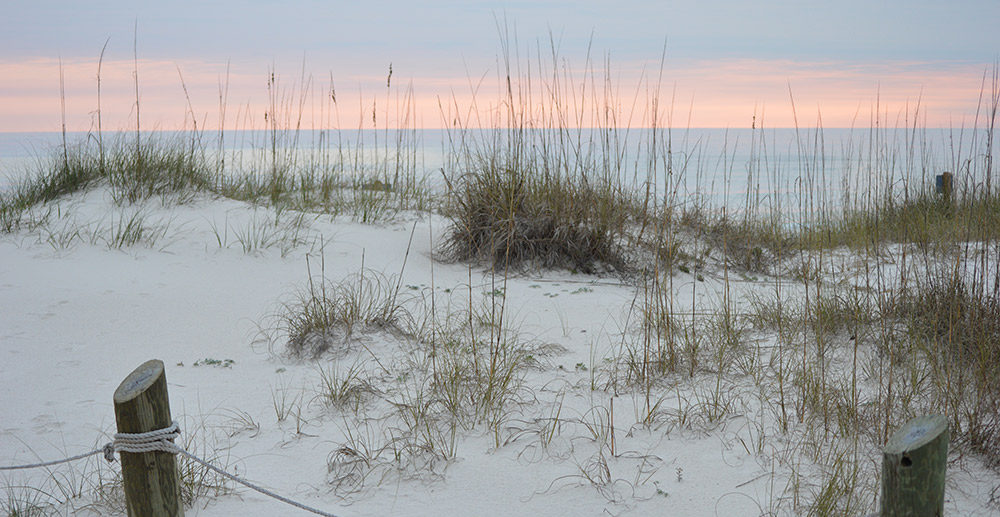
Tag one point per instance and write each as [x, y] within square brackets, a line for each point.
[726, 63]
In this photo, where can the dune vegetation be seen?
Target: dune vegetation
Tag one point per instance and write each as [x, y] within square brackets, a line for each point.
[800, 328]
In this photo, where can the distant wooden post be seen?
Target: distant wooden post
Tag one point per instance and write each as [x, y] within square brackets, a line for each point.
[943, 184]
[152, 487]
[913, 469]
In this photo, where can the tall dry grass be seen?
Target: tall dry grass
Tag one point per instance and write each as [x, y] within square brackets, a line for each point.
[832, 321]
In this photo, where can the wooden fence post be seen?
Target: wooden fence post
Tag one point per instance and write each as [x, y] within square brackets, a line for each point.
[913, 469]
[943, 184]
[152, 487]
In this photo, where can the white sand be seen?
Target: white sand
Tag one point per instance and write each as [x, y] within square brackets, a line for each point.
[74, 322]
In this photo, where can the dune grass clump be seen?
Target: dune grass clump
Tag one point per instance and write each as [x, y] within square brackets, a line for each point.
[25, 501]
[479, 362]
[366, 197]
[555, 172]
[507, 214]
[955, 323]
[133, 172]
[159, 166]
[325, 317]
[747, 243]
[73, 174]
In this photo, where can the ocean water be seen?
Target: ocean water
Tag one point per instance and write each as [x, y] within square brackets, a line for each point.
[773, 170]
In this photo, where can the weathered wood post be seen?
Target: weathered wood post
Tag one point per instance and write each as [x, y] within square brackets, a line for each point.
[152, 487]
[943, 184]
[913, 469]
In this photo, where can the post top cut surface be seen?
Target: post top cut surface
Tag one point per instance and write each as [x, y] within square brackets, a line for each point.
[139, 380]
[916, 433]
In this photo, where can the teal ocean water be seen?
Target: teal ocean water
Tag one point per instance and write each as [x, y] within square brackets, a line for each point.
[773, 169]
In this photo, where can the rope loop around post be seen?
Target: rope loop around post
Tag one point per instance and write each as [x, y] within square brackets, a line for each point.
[159, 440]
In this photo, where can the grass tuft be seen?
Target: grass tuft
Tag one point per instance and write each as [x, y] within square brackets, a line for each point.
[955, 324]
[508, 215]
[325, 317]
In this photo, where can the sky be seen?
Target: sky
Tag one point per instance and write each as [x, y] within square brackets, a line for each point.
[711, 63]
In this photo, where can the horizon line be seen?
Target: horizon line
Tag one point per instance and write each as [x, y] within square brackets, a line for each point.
[502, 128]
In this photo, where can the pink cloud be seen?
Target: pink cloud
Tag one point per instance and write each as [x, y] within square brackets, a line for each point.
[718, 93]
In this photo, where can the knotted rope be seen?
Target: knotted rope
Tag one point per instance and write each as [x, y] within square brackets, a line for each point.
[160, 440]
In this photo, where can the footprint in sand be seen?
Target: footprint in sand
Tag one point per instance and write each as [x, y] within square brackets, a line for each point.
[46, 424]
